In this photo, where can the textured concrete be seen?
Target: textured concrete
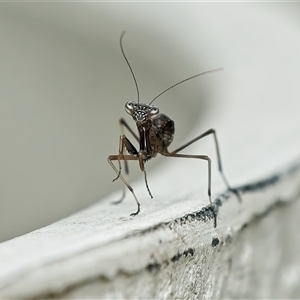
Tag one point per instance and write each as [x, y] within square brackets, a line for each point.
[253, 253]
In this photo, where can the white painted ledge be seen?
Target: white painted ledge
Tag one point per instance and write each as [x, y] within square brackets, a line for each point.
[167, 253]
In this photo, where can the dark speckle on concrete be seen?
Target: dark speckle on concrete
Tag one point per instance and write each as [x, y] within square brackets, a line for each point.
[188, 252]
[153, 268]
[228, 239]
[259, 184]
[176, 257]
[215, 242]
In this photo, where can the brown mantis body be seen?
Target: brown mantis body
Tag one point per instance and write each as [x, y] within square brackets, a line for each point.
[155, 134]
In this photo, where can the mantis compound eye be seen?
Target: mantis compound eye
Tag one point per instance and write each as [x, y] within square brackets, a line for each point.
[129, 107]
[154, 110]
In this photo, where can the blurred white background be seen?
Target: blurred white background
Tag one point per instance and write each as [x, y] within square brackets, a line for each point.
[64, 84]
